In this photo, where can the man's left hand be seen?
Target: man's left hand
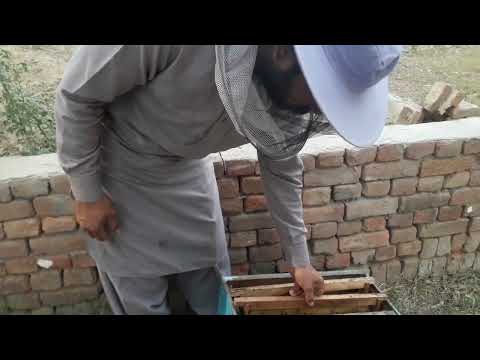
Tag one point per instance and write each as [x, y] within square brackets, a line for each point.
[308, 282]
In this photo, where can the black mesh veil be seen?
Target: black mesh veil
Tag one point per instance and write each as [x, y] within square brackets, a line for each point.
[275, 133]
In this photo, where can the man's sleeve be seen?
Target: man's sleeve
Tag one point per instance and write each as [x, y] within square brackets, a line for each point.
[283, 190]
[94, 77]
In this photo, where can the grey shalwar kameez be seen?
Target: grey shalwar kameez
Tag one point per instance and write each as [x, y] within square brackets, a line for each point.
[136, 122]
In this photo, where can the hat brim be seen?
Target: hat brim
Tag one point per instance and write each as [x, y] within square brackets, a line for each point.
[358, 117]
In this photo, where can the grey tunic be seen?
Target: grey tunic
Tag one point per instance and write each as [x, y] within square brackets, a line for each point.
[136, 122]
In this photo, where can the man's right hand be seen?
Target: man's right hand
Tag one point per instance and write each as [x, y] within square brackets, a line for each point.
[98, 219]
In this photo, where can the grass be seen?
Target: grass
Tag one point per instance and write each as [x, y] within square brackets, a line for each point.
[456, 294]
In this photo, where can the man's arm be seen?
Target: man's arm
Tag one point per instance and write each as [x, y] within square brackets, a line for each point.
[283, 190]
[94, 78]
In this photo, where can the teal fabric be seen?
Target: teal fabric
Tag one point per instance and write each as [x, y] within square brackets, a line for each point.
[225, 306]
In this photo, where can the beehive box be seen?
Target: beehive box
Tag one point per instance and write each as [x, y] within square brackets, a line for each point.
[350, 292]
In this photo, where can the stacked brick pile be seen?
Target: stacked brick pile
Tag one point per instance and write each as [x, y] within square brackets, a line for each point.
[443, 102]
[400, 209]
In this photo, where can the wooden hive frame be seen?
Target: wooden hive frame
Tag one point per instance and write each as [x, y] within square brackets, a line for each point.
[345, 292]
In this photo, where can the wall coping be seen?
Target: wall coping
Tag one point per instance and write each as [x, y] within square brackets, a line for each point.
[17, 167]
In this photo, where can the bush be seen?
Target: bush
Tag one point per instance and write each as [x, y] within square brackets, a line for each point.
[30, 117]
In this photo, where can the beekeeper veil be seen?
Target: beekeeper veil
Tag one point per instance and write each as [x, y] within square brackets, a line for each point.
[276, 133]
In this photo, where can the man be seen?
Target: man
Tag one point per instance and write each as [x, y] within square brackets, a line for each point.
[135, 123]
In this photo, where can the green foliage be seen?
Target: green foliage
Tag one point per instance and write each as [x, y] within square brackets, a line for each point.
[26, 115]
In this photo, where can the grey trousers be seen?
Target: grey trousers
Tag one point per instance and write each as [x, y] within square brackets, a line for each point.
[150, 296]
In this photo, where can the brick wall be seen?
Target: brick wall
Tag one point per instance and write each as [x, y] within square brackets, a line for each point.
[407, 207]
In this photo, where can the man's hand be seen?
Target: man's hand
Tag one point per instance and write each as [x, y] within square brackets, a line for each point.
[98, 219]
[308, 281]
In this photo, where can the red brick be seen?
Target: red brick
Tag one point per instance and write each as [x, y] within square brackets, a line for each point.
[458, 241]
[448, 148]
[228, 188]
[265, 253]
[325, 246]
[29, 188]
[347, 192]
[70, 296]
[465, 196]
[362, 257]
[24, 265]
[324, 230]
[403, 235]
[364, 241]
[18, 209]
[268, 237]
[337, 261]
[447, 213]
[430, 184]
[379, 272]
[22, 228]
[474, 178]
[77, 276]
[308, 162]
[394, 268]
[474, 225]
[374, 224]
[3, 270]
[328, 177]
[318, 262]
[437, 96]
[240, 167]
[219, 169]
[2, 233]
[423, 201]
[389, 152]
[5, 194]
[13, 284]
[426, 216]
[243, 239]
[240, 269]
[360, 156]
[257, 169]
[457, 180]
[472, 242]
[376, 188]
[254, 221]
[323, 214]
[444, 245]
[405, 186]
[400, 220]
[23, 301]
[385, 253]
[58, 244]
[58, 261]
[444, 228]
[448, 166]
[231, 206]
[53, 205]
[409, 248]
[46, 280]
[419, 150]
[52, 225]
[252, 185]
[349, 228]
[316, 196]
[255, 203]
[60, 184]
[330, 159]
[390, 170]
[238, 255]
[429, 248]
[410, 267]
[471, 147]
[13, 248]
[371, 207]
